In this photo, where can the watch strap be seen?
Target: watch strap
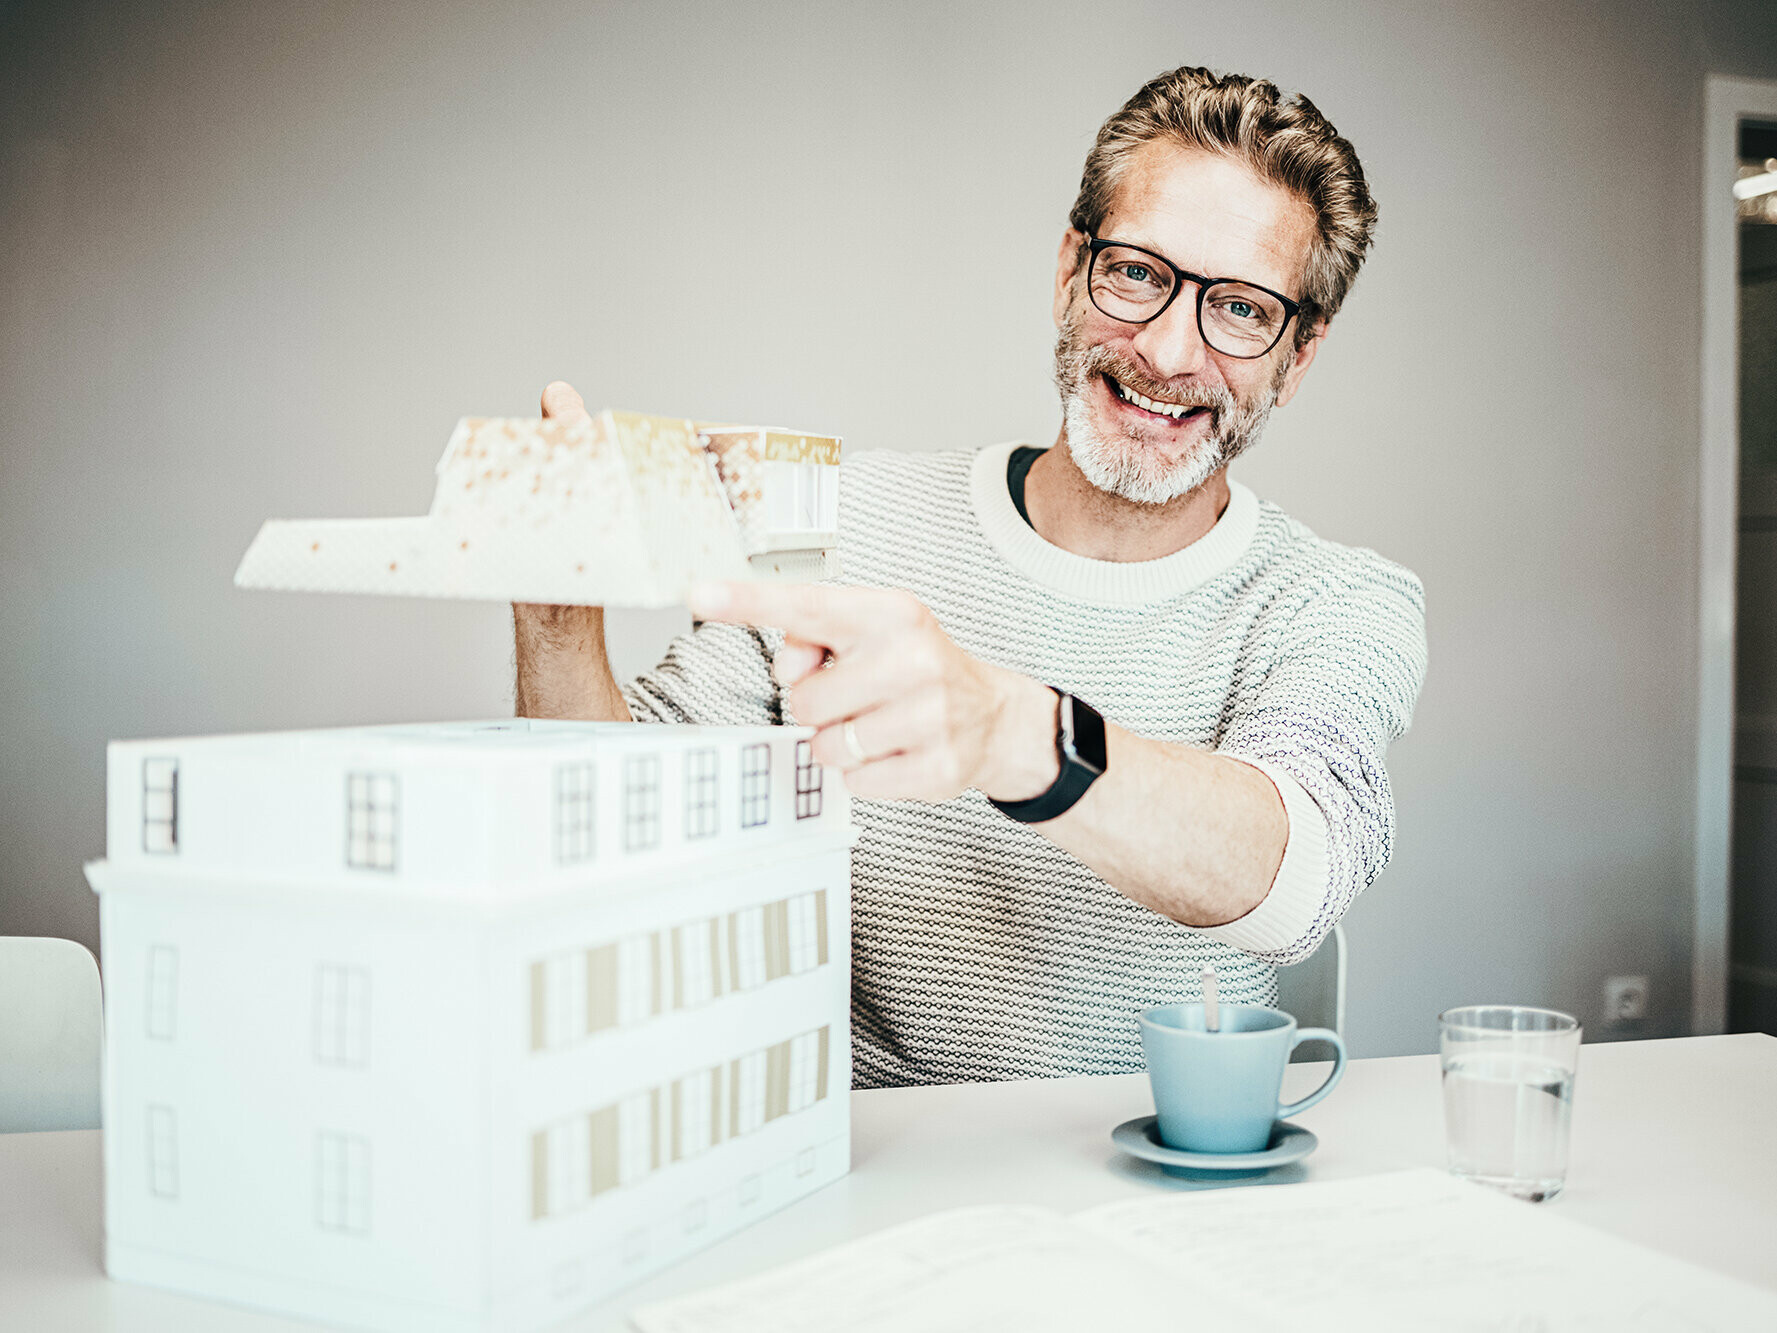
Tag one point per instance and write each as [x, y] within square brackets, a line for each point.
[1080, 746]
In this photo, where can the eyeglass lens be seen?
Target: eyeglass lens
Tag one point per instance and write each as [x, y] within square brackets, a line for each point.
[1236, 319]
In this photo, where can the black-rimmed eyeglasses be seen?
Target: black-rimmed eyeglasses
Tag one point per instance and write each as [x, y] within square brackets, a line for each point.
[1236, 318]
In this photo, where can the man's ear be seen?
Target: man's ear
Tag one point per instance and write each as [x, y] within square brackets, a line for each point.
[1067, 263]
[1292, 378]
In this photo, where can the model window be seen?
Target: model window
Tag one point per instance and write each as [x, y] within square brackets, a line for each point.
[567, 1167]
[808, 496]
[575, 813]
[371, 809]
[638, 985]
[160, 805]
[601, 1136]
[801, 497]
[755, 785]
[636, 1148]
[163, 1153]
[804, 932]
[691, 1114]
[539, 1175]
[694, 956]
[558, 1000]
[805, 1065]
[808, 782]
[777, 1080]
[342, 1015]
[780, 478]
[342, 1182]
[641, 802]
[828, 474]
[702, 808]
[747, 1097]
[163, 990]
[602, 976]
[746, 947]
[817, 497]
[777, 939]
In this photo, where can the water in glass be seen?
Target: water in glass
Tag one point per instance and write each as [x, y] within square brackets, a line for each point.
[1507, 1120]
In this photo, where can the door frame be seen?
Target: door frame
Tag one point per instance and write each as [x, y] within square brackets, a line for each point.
[1727, 101]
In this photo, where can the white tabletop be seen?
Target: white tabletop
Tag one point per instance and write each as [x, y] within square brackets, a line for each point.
[1670, 1149]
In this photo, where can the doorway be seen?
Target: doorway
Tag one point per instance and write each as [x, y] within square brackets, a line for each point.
[1752, 915]
[1734, 949]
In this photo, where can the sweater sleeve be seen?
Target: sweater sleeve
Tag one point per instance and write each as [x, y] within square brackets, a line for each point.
[1318, 725]
[716, 675]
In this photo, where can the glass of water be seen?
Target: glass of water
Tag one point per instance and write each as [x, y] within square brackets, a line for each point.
[1508, 1095]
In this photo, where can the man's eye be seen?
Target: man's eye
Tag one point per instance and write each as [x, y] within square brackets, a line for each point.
[1241, 309]
[1136, 273]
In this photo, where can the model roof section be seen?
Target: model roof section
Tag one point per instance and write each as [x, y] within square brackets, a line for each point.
[621, 509]
[478, 810]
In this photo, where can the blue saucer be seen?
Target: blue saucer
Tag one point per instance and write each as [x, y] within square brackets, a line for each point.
[1141, 1138]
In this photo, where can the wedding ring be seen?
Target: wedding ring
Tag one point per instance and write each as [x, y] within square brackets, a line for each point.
[849, 732]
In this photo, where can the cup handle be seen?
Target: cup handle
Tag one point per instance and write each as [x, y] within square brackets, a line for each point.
[1338, 1045]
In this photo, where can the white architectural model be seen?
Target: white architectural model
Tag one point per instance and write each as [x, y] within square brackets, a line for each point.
[466, 1026]
[619, 510]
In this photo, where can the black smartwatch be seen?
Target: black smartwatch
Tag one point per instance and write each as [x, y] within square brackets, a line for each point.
[1079, 743]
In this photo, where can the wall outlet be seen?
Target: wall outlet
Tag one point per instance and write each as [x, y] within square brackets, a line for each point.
[1625, 1000]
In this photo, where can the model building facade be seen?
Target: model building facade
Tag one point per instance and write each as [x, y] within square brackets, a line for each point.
[466, 1026]
[620, 509]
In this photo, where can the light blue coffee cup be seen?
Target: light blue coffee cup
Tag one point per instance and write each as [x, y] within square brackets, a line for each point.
[1217, 1092]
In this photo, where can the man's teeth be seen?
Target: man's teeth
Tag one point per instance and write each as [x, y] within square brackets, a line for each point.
[1129, 395]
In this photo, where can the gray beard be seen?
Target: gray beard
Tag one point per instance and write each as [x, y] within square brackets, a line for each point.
[1126, 467]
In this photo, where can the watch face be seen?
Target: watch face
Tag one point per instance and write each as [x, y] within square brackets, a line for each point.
[1082, 734]
[1079, 736]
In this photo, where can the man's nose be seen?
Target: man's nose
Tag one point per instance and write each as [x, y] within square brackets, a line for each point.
[1173, 344]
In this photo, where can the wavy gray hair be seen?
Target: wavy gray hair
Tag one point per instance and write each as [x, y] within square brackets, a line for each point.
[1283, 137]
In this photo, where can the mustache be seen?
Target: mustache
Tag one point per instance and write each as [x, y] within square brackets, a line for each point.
[1105, 360]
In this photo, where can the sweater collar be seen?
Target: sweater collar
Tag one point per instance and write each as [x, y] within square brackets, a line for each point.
[1105, 582]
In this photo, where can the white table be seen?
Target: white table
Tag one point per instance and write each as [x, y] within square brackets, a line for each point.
[1671, 1148]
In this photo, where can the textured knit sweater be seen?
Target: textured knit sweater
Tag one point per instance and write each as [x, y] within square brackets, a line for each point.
[980, 950]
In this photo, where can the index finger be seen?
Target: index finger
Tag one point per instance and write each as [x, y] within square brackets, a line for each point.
[837, 619]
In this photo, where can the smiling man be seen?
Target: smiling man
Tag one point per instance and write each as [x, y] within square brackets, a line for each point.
[1111, 719]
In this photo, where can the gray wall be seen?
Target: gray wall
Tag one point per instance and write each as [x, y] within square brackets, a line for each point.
[256, 259]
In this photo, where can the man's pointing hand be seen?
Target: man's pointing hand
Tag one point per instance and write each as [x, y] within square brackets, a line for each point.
[899, 707]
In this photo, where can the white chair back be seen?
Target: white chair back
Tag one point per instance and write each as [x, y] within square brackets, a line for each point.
[51, 1035]
[1314, 991]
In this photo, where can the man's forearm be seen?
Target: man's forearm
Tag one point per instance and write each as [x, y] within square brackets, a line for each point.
[1195, 836]
[563, 670]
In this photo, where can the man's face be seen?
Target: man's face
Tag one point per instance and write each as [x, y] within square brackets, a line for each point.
[1208, 215]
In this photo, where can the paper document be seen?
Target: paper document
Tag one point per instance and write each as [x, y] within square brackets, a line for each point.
[970, 1270]
[1410, 1250]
